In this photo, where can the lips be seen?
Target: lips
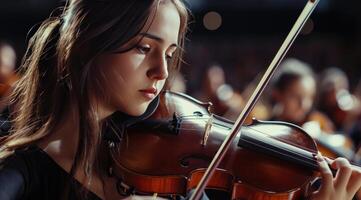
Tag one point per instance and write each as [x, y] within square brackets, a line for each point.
[149, 90]
[149, 93]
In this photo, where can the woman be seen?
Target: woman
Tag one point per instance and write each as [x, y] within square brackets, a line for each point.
[98, 57]
[101, 56]
[336, 100]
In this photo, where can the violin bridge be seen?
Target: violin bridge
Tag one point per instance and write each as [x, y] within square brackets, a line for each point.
[207, 130]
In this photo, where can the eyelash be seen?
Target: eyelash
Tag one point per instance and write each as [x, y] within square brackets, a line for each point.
[143, 49]
[146, 49]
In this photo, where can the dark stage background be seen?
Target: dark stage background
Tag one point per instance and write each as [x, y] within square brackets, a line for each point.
[244, 44]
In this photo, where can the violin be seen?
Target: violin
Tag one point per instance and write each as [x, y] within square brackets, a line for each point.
[168, 153]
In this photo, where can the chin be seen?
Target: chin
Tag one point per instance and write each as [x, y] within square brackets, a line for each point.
[137, 111]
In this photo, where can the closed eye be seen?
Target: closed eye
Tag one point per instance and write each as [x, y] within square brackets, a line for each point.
[143, 49]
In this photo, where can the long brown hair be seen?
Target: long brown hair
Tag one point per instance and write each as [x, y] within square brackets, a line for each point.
[57, 69]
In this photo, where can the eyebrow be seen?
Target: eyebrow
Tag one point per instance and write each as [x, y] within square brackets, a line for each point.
[156, 38]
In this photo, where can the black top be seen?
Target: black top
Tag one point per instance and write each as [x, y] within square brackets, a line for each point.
[32, 174]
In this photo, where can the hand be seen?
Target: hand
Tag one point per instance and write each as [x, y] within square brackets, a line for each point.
[343, 186]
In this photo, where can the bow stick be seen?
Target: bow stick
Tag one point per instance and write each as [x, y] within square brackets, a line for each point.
[297, 27]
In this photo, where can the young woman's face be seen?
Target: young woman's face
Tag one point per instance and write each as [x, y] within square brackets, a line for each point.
[131, 80]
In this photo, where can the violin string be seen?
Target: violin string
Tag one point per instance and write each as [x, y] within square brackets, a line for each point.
[299, 156]
[279, 139]
[205, 119]
[311, 159]
[218, 125]
[204, 123]
[305, 159]
[308, 158]
[282, 140]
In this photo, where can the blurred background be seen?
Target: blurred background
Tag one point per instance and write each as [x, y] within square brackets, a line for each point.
[244, 35]
[231, 43]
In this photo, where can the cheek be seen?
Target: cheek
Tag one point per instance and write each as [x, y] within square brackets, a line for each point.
[122, 71]
[160, 85]
[129, 65]
[291, 105]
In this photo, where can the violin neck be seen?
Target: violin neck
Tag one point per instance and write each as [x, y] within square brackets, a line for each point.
[264, 144]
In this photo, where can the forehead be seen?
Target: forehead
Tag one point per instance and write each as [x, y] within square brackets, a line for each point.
[164, 22]
[305, 86]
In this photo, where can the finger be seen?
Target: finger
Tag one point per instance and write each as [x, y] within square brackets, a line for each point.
[355, 181]
[343, 174]
[326, 174]
[328, 160]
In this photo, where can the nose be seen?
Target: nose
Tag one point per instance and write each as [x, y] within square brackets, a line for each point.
[159, 69]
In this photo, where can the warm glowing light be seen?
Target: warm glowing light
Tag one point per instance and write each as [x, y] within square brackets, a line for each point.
[212, 20]
[225, 92]
[336, 140]
[345, 100]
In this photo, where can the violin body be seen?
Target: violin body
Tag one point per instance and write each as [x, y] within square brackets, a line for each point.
[168, 154]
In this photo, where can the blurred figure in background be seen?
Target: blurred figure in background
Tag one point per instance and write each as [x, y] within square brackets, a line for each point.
[293, 95]
[335, 99]
[7, 67]
[355, 128]
[226, 101]
[214, 89]
[8, 77]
